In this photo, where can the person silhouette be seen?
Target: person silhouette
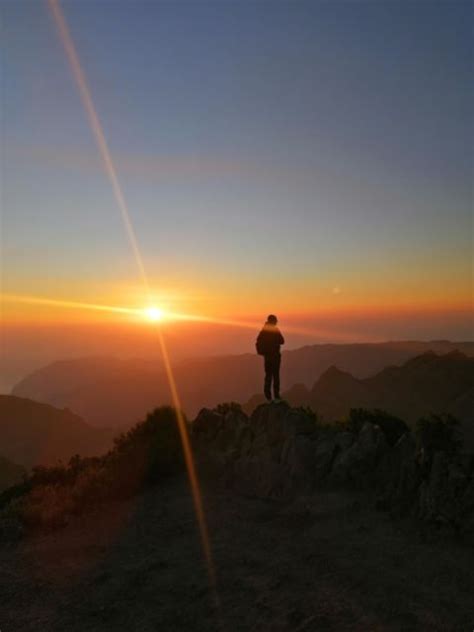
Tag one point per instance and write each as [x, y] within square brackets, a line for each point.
[268, 344]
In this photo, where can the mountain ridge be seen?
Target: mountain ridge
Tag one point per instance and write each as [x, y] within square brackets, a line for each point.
[120, 397]
[430, 383]
[34, 433]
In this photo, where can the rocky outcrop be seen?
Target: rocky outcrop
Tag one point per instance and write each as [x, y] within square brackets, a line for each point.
[446, 495]
[280, 452]
[268, 454]
[399, 476]
[356, 463]
[426, 383]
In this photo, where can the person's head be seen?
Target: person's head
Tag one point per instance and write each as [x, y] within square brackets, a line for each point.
[272, 319]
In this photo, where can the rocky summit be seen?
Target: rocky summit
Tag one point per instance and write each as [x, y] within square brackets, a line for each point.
[356, 526]
[281, 452]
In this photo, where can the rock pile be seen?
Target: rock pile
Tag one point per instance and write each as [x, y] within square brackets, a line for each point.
[279, 452]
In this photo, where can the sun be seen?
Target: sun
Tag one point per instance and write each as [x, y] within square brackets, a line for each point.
[154, 314]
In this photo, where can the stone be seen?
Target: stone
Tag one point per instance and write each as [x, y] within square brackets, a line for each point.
[344, 440]
[207, 424]
[280, 453]
[299, 458]
[355, 465]
[399, 476]
[324, 454]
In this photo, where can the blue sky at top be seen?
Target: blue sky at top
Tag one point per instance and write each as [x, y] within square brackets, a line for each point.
[299, 140]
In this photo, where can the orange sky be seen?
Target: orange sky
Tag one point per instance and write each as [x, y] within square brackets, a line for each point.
[346, 210]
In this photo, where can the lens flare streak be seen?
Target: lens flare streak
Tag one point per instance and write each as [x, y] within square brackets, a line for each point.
[310, 332]
[158, 315]
[36, 300]
[190, 466]
[97, 130]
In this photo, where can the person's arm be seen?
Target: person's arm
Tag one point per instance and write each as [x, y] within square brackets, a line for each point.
[282, 340]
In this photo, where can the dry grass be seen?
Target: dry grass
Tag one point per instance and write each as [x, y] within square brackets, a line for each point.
[146, 454]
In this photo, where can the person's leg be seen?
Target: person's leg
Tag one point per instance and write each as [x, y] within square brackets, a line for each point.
[267, 387]
[276, 376]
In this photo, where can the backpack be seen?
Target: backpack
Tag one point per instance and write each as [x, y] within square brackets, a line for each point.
[260, 346]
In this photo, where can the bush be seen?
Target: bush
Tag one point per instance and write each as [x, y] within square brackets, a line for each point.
[392, 427]
[16, 491]
[312, 414]
[61, 474]
[46, 506]
[228, 407]
[147, 453]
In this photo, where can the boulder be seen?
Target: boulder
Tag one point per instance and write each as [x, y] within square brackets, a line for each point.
[278, 459]
[398, 476]
[444, 497]
[229, 431]
[355, 465]
[344, 440]
[260, 476]
[207, 424]
[324, 453]
[278, 421]
[299, 457]
[279, 452]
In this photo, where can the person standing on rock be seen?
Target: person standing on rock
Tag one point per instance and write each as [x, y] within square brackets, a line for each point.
[268, 345]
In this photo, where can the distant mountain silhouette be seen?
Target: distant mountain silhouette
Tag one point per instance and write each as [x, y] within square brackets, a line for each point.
[113, 392]
[10, 473]
[429, 383]
[32, 433]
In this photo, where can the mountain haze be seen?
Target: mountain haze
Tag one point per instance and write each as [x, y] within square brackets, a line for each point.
[32, 433]
[429, 383]
[117, 392]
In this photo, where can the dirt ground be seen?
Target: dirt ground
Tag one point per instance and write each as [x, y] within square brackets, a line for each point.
[326, 562]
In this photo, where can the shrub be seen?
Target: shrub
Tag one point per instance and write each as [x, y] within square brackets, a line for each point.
[392, 427]
[46, 506]
[228, 407]
[148, 452]
[16, 491]
[312, 414]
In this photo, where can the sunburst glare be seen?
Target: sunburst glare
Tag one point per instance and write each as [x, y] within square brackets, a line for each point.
[154, 314]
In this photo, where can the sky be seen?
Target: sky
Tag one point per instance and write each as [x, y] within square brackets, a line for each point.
[313, 159]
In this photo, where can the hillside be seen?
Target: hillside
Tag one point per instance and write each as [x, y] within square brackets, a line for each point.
[310, 528]
[32, 433]
[112, 392]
